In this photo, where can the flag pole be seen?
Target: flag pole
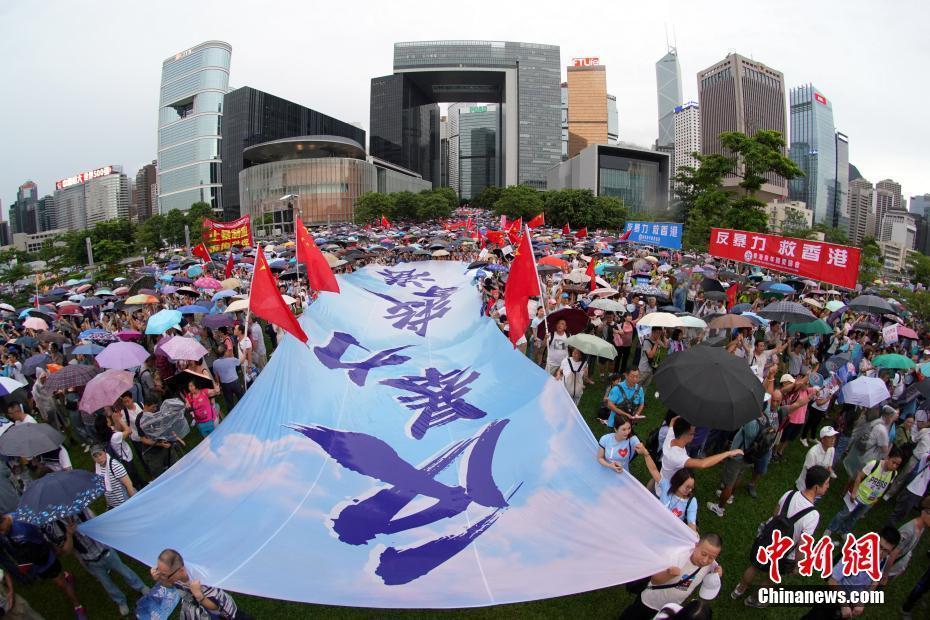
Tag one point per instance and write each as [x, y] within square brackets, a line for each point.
[542, 292]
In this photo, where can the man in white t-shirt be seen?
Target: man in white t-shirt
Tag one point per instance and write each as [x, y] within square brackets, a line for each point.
[18, 415]
[691, 569]
[800, 510]
[245, 351]
[675, 457]
[257, 338]
[821, 453]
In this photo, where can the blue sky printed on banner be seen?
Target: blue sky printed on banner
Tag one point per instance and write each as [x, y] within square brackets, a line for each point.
[407, 457]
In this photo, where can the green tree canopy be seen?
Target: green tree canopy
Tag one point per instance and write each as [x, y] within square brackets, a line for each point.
[870, 260]
[433, 205]
[486, 199]
[370, 206]
[519, 201]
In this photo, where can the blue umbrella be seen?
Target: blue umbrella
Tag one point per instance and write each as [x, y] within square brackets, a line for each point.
[780, 288]
[86, 349]
[224, 294]
[193, 309]
[740, 308]
[87, 333]
[758, 319]
[58, 495]
[166, 277]
[496, 267]
[193, 272]
[162, 321]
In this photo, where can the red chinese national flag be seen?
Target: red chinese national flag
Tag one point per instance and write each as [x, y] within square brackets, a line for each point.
[731, 291]
[495, 236]
[590, 273]
[626, 235]
[515, 230]
[266, 302]
[385, 223]
[229, 265]
[319, 272]
[581, 234]
[201, 252]
[522, 283]
[536, 222]
[566, 231]
[468, 225]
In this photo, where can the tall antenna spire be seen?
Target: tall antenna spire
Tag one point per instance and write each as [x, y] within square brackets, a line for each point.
[666, 36]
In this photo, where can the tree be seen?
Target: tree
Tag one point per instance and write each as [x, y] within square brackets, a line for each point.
[195, 217]
[832, 234]
[609, 212]
[150, 234]
[450, 196]
[701, 198]
[370, 206]
[486, 199]
[405, 205]
[519, 201]
[919, 267]
[917, 302]
[173, 230]
[871, 261]
[432, 205]
[795, 225]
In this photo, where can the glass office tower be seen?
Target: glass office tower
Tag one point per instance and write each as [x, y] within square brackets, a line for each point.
[190, 116]
[522, 77]
[478, 135]
[813, 149]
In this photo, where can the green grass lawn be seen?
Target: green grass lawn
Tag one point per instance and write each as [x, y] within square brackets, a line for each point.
[737, 528]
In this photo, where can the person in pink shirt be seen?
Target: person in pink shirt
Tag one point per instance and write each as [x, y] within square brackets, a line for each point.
[797, 394]
[201, 407]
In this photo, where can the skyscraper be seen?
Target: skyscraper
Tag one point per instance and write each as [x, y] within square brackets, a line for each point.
[587, 105]
[739, 94]
[813, 149]
[144, 194]
[444, 150]
[687, 136]
[861, 215]
[88, 198]
[920, 205]
[46, 214]
[251, 117]
[838, 192]
[24, 214]
[523, 77]
[613, 121]
[668, 91]
[479, 135]
[452, 116]
[893, 189]
[190, 114]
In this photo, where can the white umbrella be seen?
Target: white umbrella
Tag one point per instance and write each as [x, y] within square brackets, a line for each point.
[604, 292]
[608, 305]
[865, 391]
[693, 321]
[238, 306]
[661, 319]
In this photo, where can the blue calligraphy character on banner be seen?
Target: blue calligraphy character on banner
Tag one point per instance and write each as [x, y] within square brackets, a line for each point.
[415, 315]
[362, 519]
[331, 357]
[404, 277]
[438, 398]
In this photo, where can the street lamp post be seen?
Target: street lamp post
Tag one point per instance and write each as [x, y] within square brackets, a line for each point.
[291, 200]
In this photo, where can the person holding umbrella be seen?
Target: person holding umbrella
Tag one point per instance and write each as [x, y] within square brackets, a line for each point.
[26, 545]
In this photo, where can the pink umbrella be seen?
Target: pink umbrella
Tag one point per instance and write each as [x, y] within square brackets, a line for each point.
[128, 334]
[208, 282]
[906, 332]
[82, 288]
[104, 389]
[35, 322]
[121, 290]
[122, 355]
[183, 348]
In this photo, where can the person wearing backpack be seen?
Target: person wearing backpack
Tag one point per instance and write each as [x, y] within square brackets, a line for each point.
[869, 442]
[653, 344]
[755, 438]
[692, 569]
[626, 399]
[821, 454]
[794, 515]
[870, 484]
[117, 485]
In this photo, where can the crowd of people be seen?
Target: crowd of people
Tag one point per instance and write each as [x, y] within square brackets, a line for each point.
[173, 393]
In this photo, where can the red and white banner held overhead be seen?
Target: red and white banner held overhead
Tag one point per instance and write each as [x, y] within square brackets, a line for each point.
[814, 260]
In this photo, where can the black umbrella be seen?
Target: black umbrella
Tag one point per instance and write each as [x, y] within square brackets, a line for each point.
[575, 321]
[709, 387]
[923, 387]
[179, 382]
[715, 295]
[709, 284]
[29, 440]
[546, 269]
[290, 274]
[477, 264]
[58, 495]
[872, 304]
[146, 281]
[787, 311]
[72, 375]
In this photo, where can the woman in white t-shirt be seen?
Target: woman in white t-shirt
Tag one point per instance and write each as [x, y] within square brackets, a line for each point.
[573, 373]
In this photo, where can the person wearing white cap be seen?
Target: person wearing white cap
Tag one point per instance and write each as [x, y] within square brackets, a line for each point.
[821, 453]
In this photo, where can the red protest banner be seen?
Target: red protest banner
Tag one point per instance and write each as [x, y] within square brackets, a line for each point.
[222, 235]
[815, 260]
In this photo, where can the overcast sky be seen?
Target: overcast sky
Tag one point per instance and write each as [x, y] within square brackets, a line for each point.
[80, 79]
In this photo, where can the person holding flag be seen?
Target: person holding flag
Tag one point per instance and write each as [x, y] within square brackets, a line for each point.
[200, 251]
[522, 283]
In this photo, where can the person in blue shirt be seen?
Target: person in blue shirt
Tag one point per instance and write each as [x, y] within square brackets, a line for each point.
[616, 449]
[25, 544]
[677, 494]
[626, 399]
